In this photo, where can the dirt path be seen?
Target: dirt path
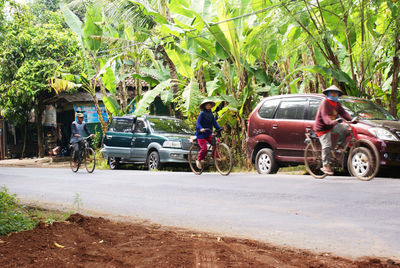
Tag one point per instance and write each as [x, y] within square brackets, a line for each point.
[96, 242]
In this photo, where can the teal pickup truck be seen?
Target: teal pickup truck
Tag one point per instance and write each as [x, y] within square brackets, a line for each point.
[152, 140]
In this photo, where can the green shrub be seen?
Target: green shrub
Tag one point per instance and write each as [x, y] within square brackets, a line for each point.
[12, 217]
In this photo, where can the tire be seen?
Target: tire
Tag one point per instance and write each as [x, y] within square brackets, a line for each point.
[363, 163]
[313, 160]
[265, 162]
[224, 161]
[153, 161]
[90, 160]
[192, 157]
[71, 161]
[114, 163]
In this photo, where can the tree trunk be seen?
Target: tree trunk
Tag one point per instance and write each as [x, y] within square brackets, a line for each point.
[24, 146]
[320, 79]
[138, 84]
[395, 80]
[39, 128]
[201, 80]
[173, 73]
[124, 93]
[101, 119]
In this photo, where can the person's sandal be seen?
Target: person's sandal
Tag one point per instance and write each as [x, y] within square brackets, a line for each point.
[327, 171]
[199, 164]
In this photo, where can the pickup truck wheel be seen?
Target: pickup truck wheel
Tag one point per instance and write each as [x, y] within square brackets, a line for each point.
[265, 162]
[153, 161]
[114, 163]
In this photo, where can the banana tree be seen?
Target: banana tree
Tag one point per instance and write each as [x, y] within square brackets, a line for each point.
[90, 46]
[217, 54]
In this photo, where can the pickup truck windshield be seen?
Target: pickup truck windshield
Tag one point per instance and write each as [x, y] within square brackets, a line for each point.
[163, 125]
[365, 109]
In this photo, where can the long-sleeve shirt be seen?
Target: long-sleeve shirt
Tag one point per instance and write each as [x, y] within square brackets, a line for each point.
[80, 129]
[205, 120]
[327, 113]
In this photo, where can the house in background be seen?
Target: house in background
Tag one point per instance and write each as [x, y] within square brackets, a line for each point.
[58, 116]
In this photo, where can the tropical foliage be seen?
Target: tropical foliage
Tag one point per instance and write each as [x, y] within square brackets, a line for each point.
[234, 52]
[12, 216]
[30, 55]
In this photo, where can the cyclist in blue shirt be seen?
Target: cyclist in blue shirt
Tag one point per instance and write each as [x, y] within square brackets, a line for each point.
[79, 130]
[204, 125]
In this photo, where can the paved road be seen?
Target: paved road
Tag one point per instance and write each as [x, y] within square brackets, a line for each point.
[338, 214]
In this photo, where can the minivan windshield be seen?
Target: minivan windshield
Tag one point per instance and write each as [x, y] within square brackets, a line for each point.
[169, 125]
[365, 109]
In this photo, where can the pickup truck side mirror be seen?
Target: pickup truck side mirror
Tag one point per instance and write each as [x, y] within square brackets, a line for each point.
[146, 130]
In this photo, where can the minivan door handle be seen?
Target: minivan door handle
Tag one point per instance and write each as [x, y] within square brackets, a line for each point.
[108, 137]
[308, 129]
[274, 126]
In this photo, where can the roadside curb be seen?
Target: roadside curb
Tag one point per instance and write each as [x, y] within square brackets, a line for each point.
[35, 162]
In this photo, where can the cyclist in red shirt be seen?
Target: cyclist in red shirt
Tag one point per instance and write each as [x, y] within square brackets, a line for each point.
[326, 124]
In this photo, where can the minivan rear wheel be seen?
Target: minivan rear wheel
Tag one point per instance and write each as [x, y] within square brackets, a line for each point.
[114, 163]
[265, 162]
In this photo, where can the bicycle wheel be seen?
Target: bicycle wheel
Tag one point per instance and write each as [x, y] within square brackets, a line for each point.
[75, 167]
[363, 162]
[90, 160]
[223, 159]
[313, 160]
[192, 157]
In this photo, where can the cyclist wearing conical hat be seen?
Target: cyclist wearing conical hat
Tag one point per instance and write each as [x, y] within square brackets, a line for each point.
[205, 123]
[326, 124]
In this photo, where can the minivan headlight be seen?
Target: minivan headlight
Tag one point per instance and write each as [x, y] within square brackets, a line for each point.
[172, 144]
[382, 134]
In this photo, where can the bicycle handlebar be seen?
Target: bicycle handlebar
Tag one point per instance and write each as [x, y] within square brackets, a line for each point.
[353, 121]
[88, 137]
[217, 130]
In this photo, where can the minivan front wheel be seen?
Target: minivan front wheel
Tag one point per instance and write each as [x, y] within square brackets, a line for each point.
[265, 162]
[153, 161]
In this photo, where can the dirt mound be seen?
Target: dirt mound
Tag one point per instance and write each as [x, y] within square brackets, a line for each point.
[96, 242]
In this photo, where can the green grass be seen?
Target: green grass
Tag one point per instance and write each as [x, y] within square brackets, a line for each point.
[12, 214]
[47, 216]
[101, 162]
[15, 217]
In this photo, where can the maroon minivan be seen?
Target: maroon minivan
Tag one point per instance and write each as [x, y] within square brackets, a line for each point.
[276, 129]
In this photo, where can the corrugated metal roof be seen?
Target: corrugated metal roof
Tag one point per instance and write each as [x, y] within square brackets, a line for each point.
[76, 97]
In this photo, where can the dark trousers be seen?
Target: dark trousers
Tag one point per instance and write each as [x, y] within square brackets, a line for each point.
[76, 147]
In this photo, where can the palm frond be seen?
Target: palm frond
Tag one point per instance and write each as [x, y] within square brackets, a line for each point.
[122, 11]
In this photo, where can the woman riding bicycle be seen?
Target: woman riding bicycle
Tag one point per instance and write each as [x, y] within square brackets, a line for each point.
[326, 124]
[204, 125]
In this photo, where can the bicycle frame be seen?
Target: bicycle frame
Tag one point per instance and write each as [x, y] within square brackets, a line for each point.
[362, 156]
[352, 138]
[218, 158]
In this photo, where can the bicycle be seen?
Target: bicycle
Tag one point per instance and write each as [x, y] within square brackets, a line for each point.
[222, 159]
[87, 155]
[359, 156]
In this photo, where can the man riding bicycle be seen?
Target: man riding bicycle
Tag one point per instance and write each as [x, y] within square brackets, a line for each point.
[326, 124]
[78, 131]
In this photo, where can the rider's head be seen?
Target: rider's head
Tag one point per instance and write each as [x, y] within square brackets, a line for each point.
[207, 104]
[333, 91]
[79, 116]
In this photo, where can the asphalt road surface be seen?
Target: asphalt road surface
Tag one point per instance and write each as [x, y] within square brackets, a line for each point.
[341, 215]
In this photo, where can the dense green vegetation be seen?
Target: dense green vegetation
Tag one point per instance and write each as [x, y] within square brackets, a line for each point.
[12, 216]
[15, 217]
[233, 51]
[32, 52]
